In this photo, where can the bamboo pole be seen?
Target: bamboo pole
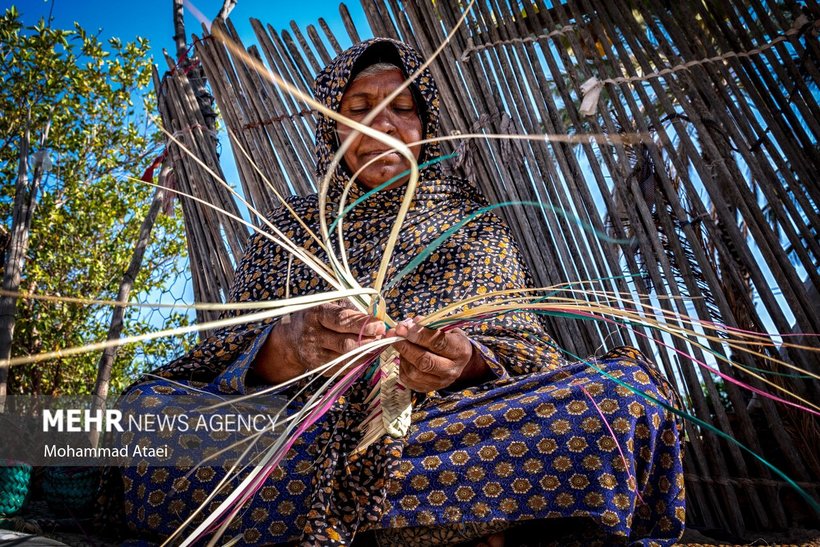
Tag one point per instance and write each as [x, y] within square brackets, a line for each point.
[779, 59]
[737, 240]
[784, 123]
[317, 43]
[348, 23]
[567, 164]
[651, 247]
[547, 180]
[751, 434]
[166, 114]
[290, 51]
[792, 216]
[563, 192]
[614, 157]
[499, 186]
[306, 51]
[581, 61]
[256, 132]
[290, 130]
[334, 43]
[557, 72]
[233, 102]
[658, 252]
[721, 415]
[297, 130]
[210, 258]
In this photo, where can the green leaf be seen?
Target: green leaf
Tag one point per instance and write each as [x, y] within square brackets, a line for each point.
[88, 216]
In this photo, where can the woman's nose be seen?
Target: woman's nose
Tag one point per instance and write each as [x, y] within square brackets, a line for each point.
[383, 122]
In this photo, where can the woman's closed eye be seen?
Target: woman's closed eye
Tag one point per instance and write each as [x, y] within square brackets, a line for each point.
[356, 109]
[362, 110]
[403, 103]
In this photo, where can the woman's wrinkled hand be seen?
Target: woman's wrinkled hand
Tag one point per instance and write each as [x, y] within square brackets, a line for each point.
[435, 359]
[312, 338]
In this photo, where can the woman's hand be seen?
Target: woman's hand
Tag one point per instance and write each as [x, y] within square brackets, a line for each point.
[312, 338]
[435, 359]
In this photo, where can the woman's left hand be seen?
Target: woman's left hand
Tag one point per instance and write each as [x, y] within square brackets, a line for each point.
[435, 359]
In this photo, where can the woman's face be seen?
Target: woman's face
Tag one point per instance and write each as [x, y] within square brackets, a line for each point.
[400, 119]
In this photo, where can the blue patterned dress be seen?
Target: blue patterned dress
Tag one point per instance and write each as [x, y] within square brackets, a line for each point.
[534, 443]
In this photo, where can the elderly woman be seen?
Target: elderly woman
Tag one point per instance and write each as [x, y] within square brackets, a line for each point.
[506, 433]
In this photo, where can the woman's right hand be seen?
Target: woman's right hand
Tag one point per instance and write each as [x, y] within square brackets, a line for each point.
[312, 338]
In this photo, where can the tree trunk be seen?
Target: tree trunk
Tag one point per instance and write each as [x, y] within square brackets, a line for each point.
[25, 199]
[106, 362]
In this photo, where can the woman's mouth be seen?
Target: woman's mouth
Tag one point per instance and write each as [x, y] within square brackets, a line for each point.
[381, 154]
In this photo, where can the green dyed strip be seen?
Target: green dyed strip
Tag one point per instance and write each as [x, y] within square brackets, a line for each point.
[443, 237]
[384, 185]
[371, 370]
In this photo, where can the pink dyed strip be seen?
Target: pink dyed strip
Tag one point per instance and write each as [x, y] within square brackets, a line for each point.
[721, 326]
[702, 364]
[315, 414]
[361, 331]
[343, 385]
[754, 333]
[614, 438]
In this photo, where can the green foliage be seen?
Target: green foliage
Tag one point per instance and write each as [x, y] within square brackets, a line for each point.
[88, 215]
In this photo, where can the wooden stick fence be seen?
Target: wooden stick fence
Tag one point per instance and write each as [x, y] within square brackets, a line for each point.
[722, 206]
[214, 241]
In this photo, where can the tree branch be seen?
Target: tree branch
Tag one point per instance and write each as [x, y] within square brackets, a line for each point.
[25, 200]
[115, 328]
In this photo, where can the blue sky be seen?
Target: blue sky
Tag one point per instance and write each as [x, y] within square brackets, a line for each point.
[152, 19]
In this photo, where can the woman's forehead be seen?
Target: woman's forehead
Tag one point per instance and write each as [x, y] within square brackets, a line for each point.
[378, 84]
